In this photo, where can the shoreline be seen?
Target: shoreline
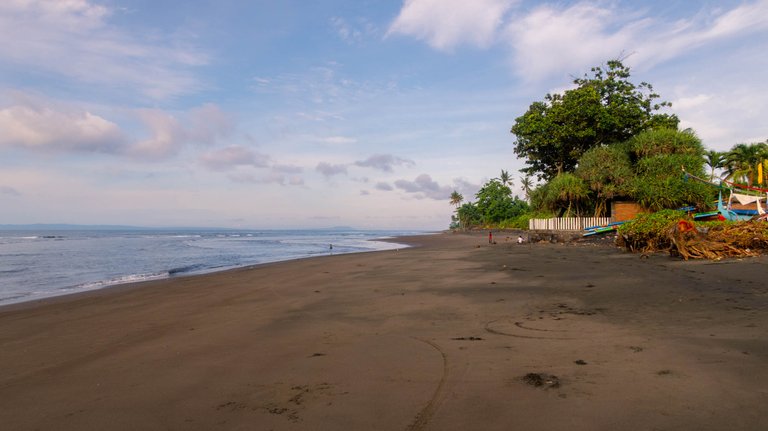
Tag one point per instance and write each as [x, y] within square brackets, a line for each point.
[131, 279]
[451, 334]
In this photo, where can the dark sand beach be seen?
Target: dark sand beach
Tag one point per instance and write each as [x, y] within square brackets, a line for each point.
[453, 334]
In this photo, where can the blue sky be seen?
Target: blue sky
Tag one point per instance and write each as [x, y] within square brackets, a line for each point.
[291, 114]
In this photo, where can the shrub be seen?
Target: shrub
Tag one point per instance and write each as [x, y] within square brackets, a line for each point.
[649, 232]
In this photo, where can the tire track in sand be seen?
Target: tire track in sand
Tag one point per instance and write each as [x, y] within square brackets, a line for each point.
[423, 417]
[491, 330]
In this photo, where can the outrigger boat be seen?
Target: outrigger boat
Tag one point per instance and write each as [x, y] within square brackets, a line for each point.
[727, 211]
[741, 214]
[610, 227]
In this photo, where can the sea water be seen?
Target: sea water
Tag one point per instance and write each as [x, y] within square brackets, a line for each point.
[36, 264]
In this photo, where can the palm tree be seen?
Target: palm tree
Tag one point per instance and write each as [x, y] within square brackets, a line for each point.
[505, 178]
[741, 162]
[456, 198]
[569, 189]
[715, 160]
[527, 183]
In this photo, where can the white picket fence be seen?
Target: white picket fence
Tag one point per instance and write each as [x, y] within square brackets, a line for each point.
[567, 223]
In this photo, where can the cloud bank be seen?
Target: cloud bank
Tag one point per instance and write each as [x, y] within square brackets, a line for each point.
[573, 36]
[75, 39]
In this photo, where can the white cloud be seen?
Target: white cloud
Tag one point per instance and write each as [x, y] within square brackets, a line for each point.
[559, 38]
[663, 41]
[726, 117]
[445, 24]
[35, 124]
[169, 133]
[232, 157]
[74, 39]
[685, 103]
[554, 39]
[746, 18]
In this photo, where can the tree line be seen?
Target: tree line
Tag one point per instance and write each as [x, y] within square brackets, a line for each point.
[605, 139]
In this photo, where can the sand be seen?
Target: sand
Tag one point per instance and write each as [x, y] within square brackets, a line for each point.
[454, 334]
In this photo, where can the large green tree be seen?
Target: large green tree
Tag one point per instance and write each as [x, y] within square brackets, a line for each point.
[604, 108]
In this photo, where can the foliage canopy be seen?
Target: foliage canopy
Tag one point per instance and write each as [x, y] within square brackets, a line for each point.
[605, 108]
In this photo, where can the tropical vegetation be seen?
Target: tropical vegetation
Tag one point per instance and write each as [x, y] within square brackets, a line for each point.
[606, 139]
[495, 206]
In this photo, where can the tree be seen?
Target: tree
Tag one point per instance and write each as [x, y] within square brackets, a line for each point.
[496, 204]
[714, 160]
[566, 193]
[658, 158]
[505, 178]
[493, 199]
[456, 198]
[607, 171]
[527, 185]
[605, 108]
[742, 160]
[468, 215]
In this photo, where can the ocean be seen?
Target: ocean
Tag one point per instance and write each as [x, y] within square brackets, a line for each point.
[37, 264]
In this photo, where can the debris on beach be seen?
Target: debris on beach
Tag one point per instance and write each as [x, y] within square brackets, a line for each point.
[541, 380]
[733, 240]
[667, 231]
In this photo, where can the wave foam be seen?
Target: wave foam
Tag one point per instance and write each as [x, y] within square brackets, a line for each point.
[123, 279]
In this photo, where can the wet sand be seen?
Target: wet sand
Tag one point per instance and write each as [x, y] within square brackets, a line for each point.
[454, 334]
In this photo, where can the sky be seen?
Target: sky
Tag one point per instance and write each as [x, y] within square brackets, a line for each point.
[298, 114]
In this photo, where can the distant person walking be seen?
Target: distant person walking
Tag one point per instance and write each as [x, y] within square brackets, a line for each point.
[331, 248]
[490, 237]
